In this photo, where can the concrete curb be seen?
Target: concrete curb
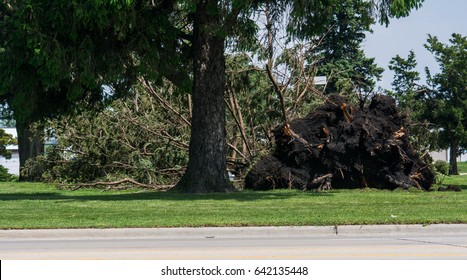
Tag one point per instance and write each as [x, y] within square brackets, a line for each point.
[232, 232]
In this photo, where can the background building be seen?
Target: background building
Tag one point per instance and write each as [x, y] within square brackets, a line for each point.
[11, 164]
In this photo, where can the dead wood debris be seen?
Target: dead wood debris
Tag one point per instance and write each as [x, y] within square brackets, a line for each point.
[117, 185]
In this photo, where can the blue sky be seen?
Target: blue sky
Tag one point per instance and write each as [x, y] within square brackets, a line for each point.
[436, 17]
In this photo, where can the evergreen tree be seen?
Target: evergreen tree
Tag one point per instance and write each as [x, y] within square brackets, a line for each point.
[409, 96]
[340, 56]
[405, 84]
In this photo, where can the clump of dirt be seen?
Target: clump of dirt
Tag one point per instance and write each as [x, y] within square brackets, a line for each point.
[340, 146]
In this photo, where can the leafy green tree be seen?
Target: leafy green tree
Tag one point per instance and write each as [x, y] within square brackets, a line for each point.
[446, 103]
[5, 140]
[405, 84]
[56, 53]
[339, 52]
[64, 51]
[408, 93]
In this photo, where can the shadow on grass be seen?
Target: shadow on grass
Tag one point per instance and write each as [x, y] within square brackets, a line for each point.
[462, 187]
[239, 196]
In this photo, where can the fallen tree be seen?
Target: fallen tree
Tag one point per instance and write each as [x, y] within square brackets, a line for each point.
[340, 146]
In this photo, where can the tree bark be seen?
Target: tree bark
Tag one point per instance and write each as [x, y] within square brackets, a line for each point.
[30, 145]
[454, 148]
[207, 166]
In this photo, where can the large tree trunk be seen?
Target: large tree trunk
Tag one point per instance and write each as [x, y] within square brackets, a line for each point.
[30, 145]
[207, 165]
[454, 148]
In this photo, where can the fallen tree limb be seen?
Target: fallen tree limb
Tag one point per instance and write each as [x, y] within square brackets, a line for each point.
[117, 183]
[321, 179]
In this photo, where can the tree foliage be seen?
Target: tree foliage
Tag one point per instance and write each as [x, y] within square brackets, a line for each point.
[56, 53]
[405, 83]
[408, 92]
[5, 140]
[143, 137]
[446, 103]
[339, 54]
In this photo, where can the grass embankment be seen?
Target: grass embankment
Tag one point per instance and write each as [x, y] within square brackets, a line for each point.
[27, 205]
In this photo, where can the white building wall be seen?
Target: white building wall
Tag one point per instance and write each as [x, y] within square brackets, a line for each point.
[11, 164]
[444, 155]
[440, 155]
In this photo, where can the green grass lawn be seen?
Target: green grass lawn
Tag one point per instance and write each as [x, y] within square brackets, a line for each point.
[34, 205]
[462, 167]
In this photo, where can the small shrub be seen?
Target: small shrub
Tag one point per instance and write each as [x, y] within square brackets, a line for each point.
[4, 175]
[442, 167]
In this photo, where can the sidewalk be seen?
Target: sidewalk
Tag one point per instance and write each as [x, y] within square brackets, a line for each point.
[228, 232]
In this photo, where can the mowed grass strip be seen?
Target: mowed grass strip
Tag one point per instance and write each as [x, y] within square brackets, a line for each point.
[35, 205]
[462, 167]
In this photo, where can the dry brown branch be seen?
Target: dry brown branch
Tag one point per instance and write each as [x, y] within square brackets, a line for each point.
[235, 112]
[236, 106]
[240, 71]
[270, 63]
[321, 178]
[398, 134]
[117, 183]
[151, 90]
[346, 113]
[324, 181]
[235, 149]
[162, 134]
[289, 132]
[279, 92]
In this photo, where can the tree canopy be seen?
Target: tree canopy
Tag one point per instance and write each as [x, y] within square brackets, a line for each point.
[340, 56]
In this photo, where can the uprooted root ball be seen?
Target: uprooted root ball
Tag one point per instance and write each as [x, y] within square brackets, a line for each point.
[339, 146]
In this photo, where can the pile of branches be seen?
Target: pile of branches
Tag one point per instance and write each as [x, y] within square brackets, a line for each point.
[141, 141]
[340, 146]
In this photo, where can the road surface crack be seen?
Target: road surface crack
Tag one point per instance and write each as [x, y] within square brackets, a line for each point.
[431, 242]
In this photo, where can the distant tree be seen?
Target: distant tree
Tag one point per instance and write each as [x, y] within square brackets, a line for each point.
[5, 140]
[446, 103]
[339, 54]
[408, 93]
[405, 83]
[6, 116]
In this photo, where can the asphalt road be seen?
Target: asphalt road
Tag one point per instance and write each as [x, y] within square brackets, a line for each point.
[343, 243]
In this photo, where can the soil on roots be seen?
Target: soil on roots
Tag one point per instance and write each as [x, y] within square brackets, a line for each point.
[340, 146]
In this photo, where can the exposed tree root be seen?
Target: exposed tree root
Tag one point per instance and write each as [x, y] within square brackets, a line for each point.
[338, 146]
